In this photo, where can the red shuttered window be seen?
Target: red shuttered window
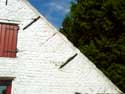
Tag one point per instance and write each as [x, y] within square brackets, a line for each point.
[8, 40]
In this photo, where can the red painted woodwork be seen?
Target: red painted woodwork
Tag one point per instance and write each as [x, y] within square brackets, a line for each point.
[8, 89]
[8, 40]
[7, 86]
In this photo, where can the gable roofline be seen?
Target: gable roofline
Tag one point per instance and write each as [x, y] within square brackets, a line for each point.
[49, 24]
[39, 14]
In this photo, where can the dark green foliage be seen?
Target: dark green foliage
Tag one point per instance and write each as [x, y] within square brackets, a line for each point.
[97, 28]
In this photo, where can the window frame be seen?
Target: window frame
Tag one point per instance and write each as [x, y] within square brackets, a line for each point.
[8, 85]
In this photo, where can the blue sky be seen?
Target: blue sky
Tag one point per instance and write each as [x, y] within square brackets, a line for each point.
[53, 10]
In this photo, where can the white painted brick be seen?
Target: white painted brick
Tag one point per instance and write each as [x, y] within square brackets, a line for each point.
[42, 49]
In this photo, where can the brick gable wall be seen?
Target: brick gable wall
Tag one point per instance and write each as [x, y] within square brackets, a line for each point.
[42, 50]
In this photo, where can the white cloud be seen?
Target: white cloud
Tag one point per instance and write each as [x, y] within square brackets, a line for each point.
[53, 10]
[59, 6]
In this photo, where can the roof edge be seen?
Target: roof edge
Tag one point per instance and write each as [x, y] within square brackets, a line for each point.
[39, 14]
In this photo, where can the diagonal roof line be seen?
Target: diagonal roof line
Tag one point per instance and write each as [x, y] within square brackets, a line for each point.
[39, 14]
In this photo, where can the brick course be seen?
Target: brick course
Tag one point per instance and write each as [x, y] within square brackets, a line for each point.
[42, 50]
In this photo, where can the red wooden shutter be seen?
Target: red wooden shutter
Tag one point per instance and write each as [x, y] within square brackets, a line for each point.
[8, 40]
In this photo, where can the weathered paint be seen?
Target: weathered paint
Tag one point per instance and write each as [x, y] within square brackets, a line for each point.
[8, 40]
[42, 50]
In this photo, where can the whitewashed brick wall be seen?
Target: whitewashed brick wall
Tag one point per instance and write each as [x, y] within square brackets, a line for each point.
[42, 50]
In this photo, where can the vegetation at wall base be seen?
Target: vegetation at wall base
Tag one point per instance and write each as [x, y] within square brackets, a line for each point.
[97, 28]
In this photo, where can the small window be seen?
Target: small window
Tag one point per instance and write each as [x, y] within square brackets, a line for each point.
[77, 93]
[8, 40]
[5, 86]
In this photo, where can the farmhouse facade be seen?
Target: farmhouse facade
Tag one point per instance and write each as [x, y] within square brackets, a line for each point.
[37, 59]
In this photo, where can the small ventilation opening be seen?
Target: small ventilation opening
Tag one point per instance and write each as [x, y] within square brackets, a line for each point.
[77, 93]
